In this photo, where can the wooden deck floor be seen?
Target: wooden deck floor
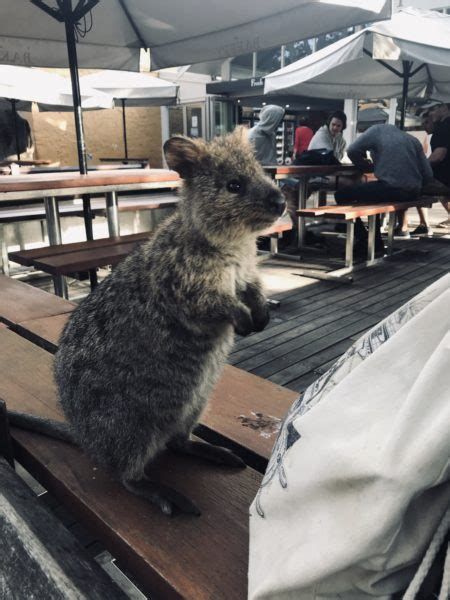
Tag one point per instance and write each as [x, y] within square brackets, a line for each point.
[317, 321]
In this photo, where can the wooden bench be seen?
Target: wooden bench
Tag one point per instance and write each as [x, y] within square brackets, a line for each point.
[182, 557]
[350, 213]
[68, 259]
[151, 201]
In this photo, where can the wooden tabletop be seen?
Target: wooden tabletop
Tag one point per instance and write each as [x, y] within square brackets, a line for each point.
[43, 181]
[312, 169]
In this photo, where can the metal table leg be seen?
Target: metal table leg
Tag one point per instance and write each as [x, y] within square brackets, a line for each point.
[302, 193]
[54, 238]
[391, 228]
[371, 241]
[349, 244]
[112, 214]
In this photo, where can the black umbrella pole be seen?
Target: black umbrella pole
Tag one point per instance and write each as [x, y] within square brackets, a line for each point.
[73, 66]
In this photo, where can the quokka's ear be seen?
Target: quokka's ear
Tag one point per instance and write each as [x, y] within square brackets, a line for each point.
[182, 155]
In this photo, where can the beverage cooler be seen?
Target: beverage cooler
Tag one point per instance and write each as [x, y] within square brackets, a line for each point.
[285, 133]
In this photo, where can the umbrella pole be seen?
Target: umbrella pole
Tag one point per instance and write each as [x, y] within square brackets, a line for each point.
[14, 109]
[406, 74]
[124, 124]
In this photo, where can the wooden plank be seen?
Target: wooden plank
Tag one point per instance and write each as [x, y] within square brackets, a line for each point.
[352, 211]
[303, 326]
[170, 558]
[285, 369]
[22, 302]
[158, 551]
[98, 179]
[26, 257]
[44, 332]
[236, 394]
[244, 413]
[270, 359]
[63, 264]
[39, 557]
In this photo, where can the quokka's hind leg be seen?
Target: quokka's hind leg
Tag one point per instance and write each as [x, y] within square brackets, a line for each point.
[215, 454]
[168, 500]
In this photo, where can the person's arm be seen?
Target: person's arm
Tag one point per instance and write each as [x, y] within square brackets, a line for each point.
[424, 164]
[440, 142]
[438, 155]
[357, 151]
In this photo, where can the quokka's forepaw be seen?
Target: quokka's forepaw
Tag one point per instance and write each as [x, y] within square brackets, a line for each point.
[261, 317]
[243, 322]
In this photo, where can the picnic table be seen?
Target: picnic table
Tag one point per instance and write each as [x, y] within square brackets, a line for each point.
[303, 173]
[51, 187]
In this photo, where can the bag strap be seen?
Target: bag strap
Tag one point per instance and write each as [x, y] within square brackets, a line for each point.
[427, 561]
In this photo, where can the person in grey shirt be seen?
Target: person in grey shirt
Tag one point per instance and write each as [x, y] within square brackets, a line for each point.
[401, 169]
[263, 135]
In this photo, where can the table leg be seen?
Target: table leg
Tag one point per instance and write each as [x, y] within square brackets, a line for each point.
[302, 193]
[349, 244]
[391, 227]
[371, 241]
[54, 238]
[112, 214]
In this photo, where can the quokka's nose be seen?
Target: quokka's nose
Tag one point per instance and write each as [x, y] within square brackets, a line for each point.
[277, 203]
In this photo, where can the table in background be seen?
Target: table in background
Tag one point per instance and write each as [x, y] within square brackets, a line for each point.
[53, 186]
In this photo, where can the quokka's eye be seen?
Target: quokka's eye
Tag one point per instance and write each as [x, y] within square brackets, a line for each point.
[234, 186]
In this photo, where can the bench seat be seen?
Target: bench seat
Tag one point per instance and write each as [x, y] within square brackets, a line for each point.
[68, 259]
[182, 557]
[351, 212]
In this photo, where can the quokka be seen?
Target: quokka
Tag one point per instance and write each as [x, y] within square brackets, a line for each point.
[140, 355]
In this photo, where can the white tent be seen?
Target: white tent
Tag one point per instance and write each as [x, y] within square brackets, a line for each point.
[410, 53]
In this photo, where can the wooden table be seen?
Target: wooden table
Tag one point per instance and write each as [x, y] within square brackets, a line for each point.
[52, 186]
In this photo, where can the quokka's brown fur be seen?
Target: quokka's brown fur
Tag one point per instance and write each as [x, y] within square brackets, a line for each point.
[140, 355]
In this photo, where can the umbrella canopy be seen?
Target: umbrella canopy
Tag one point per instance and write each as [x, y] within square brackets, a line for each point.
[132, 89]
[176, 32]
[50, 91]
[412, 47]
[138, 89]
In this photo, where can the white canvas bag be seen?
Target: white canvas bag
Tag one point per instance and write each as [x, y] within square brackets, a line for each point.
[358, 481]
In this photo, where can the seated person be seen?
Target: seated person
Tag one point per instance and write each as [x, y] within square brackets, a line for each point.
[440, 148]
[302, 137]
[329, 136]
[263, 135]
[401, 168]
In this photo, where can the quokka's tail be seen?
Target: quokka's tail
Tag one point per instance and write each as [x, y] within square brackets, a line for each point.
[48, 427]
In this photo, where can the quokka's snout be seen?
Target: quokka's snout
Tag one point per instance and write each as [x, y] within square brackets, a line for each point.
[276, 203]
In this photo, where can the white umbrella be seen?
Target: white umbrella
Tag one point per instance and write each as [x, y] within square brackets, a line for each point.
[49, 90]
[178, 32]
[408, 53]
[22, 86]
[132, 89]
